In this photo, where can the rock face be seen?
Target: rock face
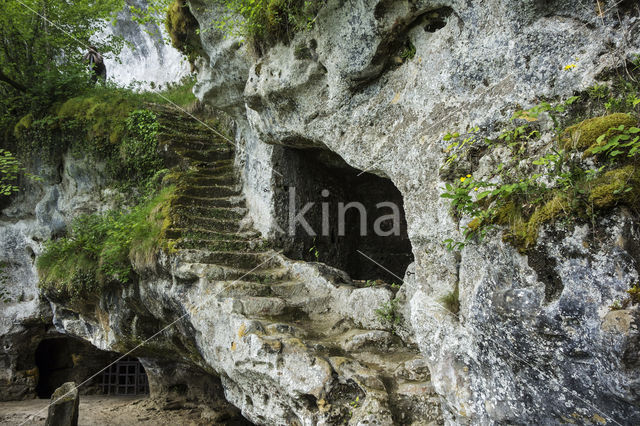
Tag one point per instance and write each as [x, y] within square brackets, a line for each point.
[223, 317]
[295, 342]
[533, 341]
[39, 212]
[63, 410]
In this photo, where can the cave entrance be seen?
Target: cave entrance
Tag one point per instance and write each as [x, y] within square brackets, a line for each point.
[344, 215]
[64, 359]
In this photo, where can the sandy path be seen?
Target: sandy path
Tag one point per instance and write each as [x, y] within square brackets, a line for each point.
[106, 410]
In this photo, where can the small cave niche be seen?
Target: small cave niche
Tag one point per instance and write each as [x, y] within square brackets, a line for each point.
[629, 7]
[64, 359]
[344, 217]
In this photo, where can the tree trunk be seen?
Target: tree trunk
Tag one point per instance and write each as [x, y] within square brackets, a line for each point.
[11, 82]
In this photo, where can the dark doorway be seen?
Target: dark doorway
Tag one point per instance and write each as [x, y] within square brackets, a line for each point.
[64, 359]
[351, 216]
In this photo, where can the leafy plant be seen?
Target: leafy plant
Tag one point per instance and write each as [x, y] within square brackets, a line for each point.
[184, 30]
[458, 143]
[621, 140]
[408, 52]
[265, 22]
[314, 251]
[100, 248]
[40, 63]
[139, 149]
[533, 114]
[388, 312]
[563, 184]
[633, 298]
[598, 91]
[9, 170]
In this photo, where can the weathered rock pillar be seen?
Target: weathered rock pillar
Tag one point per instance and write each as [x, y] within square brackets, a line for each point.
[63, 410]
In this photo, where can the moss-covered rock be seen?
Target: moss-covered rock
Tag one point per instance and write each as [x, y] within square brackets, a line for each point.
[616, 186]
[183, 28]
[106, 117]
[585, 134]
[23, 124]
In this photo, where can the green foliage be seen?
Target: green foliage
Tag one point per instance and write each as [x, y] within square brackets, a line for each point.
[408, 52]
[112, 125]
[100, 249]
[266, 22]
[559, 184]
[459, 143]
[9, 169]
[41, 48]
[598, 91]
[620, 140]
[632, 299]
[180, 93]
[314, 251]
[139, 149]
[553, 111]
[626, 97]
[586, 133]
[388, 313]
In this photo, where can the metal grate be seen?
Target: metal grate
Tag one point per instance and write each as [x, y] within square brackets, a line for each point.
[126, 377]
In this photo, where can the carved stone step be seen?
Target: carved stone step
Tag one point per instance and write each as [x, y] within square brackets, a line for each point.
[240, 260]
[259, 275]
[220, 231]
[166, 142]
[217, 168]
[207, 180]
[209, 224]
[209, 156]
[204, 207]
[260, 306]
[194, 240]
[210, 191]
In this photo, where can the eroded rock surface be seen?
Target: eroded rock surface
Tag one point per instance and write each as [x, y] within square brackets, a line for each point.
[534, 341]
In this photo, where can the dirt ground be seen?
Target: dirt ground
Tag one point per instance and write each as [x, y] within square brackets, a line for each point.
[108, 410]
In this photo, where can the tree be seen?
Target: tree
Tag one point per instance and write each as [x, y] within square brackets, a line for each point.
[42, 41]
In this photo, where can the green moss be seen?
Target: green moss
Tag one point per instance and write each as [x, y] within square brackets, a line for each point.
[23, 124]
[548, 213]
[183, 28]
[523, 231]
[585, 134]
[105, 117]
[616, 186]
[452, 301]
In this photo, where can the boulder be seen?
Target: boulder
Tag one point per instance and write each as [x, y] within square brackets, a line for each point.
[63, 410]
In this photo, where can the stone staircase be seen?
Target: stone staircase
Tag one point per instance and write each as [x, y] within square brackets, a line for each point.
[208, 240]
[208, 208]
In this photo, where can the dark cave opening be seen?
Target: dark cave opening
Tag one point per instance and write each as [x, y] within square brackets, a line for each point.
[64, 359]
[357, 217]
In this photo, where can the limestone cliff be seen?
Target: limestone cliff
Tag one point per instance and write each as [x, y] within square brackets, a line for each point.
[494, 333]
